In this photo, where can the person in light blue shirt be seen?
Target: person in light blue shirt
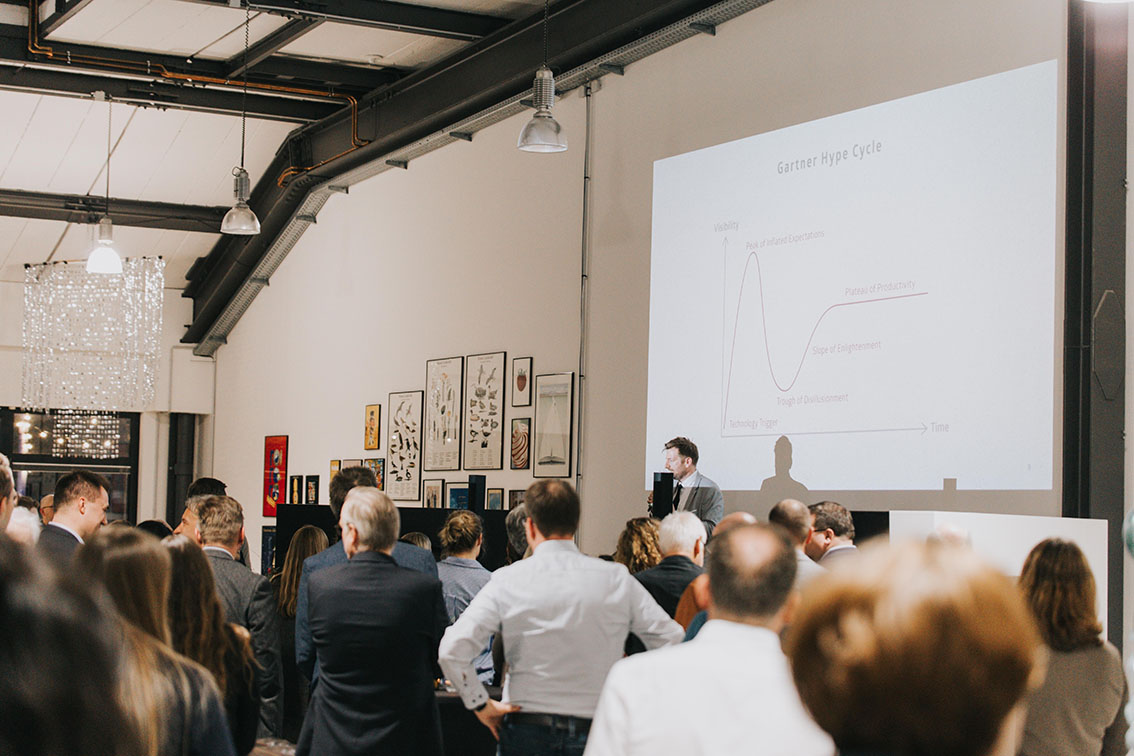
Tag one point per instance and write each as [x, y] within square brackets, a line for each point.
[462, 576]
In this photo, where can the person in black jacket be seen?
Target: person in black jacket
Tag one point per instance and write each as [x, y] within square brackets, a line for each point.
[81, 501]
[247, 599]
[682, 540]
[376, 627]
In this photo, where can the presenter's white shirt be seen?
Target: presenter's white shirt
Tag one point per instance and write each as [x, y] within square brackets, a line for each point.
[564, 618]
[728, 691]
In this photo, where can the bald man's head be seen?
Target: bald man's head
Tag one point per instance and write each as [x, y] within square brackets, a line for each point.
[751, 573]
[794, 517]
[731, 521]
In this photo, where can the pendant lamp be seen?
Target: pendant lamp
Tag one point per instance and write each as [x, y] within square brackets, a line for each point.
[543, 133]
[104, 257]
[240, 220]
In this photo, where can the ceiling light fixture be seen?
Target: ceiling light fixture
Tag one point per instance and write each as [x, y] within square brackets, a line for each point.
[543, 133]
[104, 257]
[240, 220]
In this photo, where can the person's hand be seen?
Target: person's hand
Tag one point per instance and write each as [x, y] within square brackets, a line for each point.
[492, 715]
[650, 498]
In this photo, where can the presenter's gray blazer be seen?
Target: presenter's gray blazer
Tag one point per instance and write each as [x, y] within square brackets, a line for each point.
[707, 502]
[248, 601]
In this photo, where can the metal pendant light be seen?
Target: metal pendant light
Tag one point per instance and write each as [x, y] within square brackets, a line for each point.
[240, 220]
[543, 133]
[104, 257]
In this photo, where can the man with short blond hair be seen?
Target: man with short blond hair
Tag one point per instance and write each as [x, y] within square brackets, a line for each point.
[380, 701]
[247, 599]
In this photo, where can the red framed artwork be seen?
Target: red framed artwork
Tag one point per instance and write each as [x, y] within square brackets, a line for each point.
[275, 473]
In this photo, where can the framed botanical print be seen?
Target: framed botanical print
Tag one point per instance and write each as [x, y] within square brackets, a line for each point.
[554, 415]
[522, 382]
[484, 411]
[403, 452]
[444, 381]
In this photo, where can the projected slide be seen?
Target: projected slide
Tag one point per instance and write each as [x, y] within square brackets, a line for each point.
[877, 287]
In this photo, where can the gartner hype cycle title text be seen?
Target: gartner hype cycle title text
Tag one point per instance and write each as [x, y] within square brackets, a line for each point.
[831, 158]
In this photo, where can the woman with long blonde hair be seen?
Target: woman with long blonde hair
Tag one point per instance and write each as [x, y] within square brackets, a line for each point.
[172, 700]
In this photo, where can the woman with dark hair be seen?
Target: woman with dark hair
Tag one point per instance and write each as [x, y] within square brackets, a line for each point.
[462, 576]
[62, 650]
[1079, 708]
[638, 547]
[307, 541]
[199, 632]
[173, 701]
[915, 651]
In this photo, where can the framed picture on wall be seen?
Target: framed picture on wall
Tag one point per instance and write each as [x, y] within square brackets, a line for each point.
[336, 465]
[275, 472]
[403, 451]
[296, 489]
[495, 499]
[484, 411]
[267, 549]
[351, 463]
[372, 427]
[457, 495]
[444, 380]
[554, 414]
[379, 467]
[521, 440]
[522, 382]
[515, 498]
[433, 498]
[312, 489]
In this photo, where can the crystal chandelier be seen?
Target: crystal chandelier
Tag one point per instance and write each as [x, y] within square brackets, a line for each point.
[91, 341]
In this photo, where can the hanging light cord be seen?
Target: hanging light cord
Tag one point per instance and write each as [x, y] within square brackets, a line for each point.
[244, 96]
[546, 3]
[109, 105]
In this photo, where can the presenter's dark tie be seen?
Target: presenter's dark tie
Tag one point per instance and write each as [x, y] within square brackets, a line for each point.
[676, 497]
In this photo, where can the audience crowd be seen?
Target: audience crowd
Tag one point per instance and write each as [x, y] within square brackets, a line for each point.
[150, 641]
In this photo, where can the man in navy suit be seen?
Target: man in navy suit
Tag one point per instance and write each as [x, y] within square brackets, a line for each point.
[406, 555]
[380, 701]
[81, 501]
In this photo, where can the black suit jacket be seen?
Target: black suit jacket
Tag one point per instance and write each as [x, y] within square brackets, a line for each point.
[57, 544]
[248, 600]
[376, 627]
[668, 580]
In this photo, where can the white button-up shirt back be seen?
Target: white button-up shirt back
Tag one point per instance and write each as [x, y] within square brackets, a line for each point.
[564, 618]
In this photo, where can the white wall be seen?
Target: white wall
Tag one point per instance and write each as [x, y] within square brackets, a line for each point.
[459, 255]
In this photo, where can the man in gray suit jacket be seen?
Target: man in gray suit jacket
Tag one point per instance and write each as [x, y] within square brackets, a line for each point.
[247, 599]
[793, 516]
[692, 491]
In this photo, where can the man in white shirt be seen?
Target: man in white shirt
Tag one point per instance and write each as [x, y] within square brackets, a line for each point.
[793, 516]
[746, 701]
[564, 618]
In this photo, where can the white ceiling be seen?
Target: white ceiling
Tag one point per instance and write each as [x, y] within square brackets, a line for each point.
[58, 144]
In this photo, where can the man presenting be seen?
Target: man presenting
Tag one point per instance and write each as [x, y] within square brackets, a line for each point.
[692, 491]
[746, 701]
[563, 617]
[81, 501]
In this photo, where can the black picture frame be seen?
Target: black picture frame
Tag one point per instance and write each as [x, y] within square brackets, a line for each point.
[553, 433]
[438, 411]
[312, 489]
[481, 406]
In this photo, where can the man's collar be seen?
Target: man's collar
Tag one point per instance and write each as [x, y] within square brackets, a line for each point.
[688, 478]
[555, 544]
[61, 526]
[220, 551]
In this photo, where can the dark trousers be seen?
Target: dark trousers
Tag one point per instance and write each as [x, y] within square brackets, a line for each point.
[567, 736]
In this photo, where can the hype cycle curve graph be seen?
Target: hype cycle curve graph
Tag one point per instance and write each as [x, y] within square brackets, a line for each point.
[753, 256]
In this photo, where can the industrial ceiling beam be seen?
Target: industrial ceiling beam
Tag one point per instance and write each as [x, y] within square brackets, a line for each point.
[64, 11]
[353, 79]
[403, 17]
[472, 79]
[269, 45]
[84, 208]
